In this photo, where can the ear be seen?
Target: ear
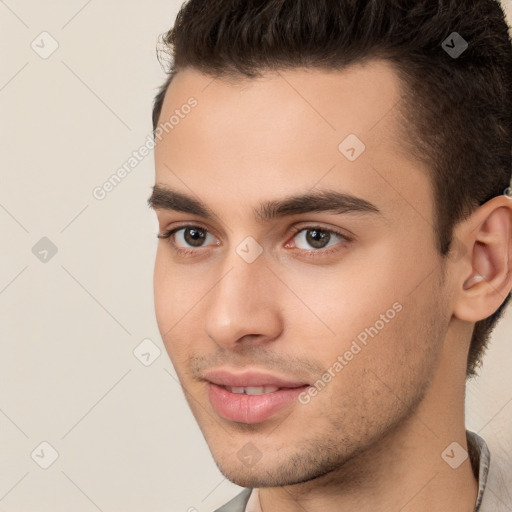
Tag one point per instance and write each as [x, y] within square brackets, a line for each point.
[484, 273]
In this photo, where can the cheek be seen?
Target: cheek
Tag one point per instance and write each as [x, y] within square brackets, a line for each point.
[393, 353]
[374, 325]
[375, 381]
[177, 300]
[169, 294]
[162, 291]
[342, 306]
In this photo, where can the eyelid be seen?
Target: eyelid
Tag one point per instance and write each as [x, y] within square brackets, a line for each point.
[347, 235]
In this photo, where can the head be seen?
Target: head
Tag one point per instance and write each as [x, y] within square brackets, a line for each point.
[341, 176]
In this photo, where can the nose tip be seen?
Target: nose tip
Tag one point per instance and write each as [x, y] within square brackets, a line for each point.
[242, 307]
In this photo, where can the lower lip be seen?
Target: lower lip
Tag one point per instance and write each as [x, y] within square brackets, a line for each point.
[250, 408]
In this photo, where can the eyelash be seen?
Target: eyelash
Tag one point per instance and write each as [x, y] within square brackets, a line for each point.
[311, 253]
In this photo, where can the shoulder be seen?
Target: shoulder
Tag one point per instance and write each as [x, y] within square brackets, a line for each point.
[497, 496]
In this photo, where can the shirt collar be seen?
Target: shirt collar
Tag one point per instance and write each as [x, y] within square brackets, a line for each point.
[480, 458]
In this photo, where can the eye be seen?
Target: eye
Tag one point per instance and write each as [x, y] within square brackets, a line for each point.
[313, 240]
[186, 237]
[316, 238]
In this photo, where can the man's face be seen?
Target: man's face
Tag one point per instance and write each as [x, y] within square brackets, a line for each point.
[292, 294]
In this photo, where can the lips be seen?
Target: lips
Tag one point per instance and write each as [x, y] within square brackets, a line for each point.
[252, 396]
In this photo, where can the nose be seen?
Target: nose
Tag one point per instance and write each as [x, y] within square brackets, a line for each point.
[244, 304]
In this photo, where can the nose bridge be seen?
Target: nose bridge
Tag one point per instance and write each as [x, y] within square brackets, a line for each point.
[242, 302]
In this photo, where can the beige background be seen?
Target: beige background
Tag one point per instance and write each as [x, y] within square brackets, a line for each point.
[69, 326]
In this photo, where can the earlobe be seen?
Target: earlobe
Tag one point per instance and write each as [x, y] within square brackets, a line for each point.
[488, 236]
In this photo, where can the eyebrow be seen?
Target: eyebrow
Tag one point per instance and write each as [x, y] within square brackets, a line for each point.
[163, 198]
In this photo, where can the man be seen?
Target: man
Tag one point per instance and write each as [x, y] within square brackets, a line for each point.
[335, 244]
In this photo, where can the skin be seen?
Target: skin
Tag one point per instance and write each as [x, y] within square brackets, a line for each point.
[372, 439]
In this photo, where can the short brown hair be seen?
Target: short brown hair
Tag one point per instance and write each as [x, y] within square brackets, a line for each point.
[458, 109]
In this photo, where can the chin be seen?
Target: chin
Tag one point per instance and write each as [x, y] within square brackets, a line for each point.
[250, 477]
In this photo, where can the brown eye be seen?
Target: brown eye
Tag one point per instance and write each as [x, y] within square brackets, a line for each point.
[311, 238]
[317, 238]
[186, 238]
[194, 236]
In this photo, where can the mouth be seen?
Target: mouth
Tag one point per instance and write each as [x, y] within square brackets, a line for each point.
[252, 404]
[252, 396]
[253, 390]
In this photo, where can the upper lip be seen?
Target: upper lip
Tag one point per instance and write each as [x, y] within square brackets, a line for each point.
[249, 379]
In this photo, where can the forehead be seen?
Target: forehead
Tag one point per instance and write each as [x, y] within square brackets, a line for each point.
[356, 98]
[289, 128]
